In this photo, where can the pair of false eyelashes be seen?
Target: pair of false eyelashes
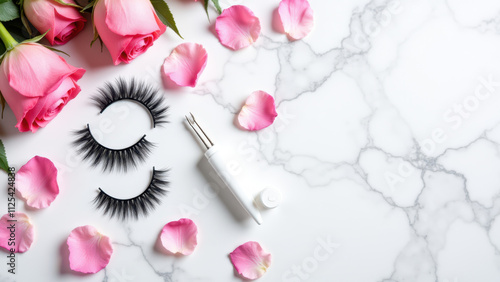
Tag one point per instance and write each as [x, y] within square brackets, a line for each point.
[115, 159]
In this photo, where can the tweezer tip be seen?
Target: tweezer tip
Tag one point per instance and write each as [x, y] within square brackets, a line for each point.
[201, 135]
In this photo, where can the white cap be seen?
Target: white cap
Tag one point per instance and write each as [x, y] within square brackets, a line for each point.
[270, 197]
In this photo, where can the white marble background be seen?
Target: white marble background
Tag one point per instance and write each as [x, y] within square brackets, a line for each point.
[386, 149]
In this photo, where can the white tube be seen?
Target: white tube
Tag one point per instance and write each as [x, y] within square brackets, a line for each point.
[220, 166]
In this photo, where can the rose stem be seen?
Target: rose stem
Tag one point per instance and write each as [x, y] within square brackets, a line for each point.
[7, 39]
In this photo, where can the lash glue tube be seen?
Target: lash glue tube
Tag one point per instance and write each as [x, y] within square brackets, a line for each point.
[216, 160]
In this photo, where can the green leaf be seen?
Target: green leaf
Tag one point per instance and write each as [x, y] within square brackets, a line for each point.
[96, 33]
[96, 37]
[25, 22]
[3, 158]
[35, 39]
[88, 6]
[165, 15]
[205, 5]
[8, 11]
[217, 6]
[68, 4]
[56, 50]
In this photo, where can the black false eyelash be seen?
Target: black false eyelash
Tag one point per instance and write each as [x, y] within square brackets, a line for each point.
[137, 206]
[111, 158]
[139, 92]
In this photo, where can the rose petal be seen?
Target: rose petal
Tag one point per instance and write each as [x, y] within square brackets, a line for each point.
[179, 236]
[89, 250]
[237, 27]
[250, 260]
[119, 15]
[43, 68]
[258, 112]
[184, 65]
[36, 182]
[23, 230]
[296, 17]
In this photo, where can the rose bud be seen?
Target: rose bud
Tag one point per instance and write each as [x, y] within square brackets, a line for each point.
[127, 27]
[37, 83]
[61, 21]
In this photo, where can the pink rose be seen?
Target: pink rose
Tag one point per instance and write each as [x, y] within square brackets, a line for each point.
[127, 27]
[62, 22]
[37, 83]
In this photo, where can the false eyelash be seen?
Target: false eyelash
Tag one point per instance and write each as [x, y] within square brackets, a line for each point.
[111, 158]
[138, 205]
[139, 92]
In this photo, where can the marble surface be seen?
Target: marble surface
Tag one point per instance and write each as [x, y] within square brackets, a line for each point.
[386, 149]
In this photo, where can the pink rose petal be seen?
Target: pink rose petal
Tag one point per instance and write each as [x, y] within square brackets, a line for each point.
[24, 232]
[258, 112]
[184, 65]
[296, 17]
[36, 182]
[89, 250]
[250, 260]
[120, 12]
[179, 236]
[237, 27]
[44, 69]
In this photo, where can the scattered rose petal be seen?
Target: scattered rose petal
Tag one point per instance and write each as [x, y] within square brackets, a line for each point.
[237, 27]
[89, 250]
[250, 260]
[36, 182]
[296, 17]
[24, 232]
[184, 65]
[258, 112]
[179, 236]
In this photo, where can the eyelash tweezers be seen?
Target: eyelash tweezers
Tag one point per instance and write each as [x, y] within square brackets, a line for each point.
[219, 165]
